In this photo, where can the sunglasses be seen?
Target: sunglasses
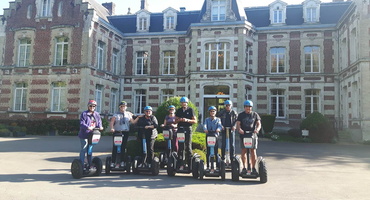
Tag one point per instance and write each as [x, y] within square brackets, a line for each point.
[92, 106]
[228, 105]
[212, 111]
[148, 111]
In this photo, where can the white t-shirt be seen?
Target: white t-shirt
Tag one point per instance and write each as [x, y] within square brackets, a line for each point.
[122, 122]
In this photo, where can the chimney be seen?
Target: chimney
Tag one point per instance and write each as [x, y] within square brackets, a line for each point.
[111, 7]
[182, 9]
[144, 5]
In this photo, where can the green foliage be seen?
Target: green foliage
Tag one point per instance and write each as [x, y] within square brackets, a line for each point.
[267, 122]
[198, 142]
[133, 148]
[294, 132]
[162, 110]
[202, 154]
[320, 128]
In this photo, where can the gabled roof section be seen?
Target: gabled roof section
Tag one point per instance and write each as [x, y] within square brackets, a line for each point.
[101, 11]
[330, 13]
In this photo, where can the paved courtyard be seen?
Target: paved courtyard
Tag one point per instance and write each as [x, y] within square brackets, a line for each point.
[38, 167]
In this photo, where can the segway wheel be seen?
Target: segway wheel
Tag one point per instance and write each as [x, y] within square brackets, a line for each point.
[161, 160]
[171, 167]
[77, 169]
[222, 170]
[262, 171]
[235, 170]
[195, 168]
[128, 167]
[201, 169]
[108, 162]
[99, 166]
[155, 166]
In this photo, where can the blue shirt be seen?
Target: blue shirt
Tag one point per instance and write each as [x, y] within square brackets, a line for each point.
[212, 124]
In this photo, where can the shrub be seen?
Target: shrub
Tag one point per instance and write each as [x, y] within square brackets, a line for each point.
[198, 142]
[267, 122]
[321, 130]
[162, 110]
[294, 132]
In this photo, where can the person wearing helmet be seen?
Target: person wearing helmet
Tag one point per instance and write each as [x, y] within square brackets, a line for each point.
[228, 118]
[150, 124]
[185, 117]
[212, 125]
[170, 121]
[248, 122]
[120, 123]
[89, 120]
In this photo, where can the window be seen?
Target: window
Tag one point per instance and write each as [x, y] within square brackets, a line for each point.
[60, 9]
[278, 16]
[24, 52]
[312, 59]
[277, 60]
[311, 15]
[168, 62]
[217, 56]
[140, 101]
[20, 97]
[170, 22]
[311, 11]
[312, 100]
[166, 94]
[99, 97]
[278, 103]
[45, 8]
[101, 55]
[142, 24]
[113, 100]
[115, 61]
[218, 11]
[142, 63]
[29, 11]
[57, 94]
[61, 51]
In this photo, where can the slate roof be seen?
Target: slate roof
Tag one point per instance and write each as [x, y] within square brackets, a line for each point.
[330, 13]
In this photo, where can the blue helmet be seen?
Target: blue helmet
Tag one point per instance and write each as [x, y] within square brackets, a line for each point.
[212, 108]
[184, 100]
[171, 107]
[248, 103]
[148, 108]
[228, 102]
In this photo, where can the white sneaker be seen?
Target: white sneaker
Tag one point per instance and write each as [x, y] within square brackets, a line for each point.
[122, 164]
[112, 165]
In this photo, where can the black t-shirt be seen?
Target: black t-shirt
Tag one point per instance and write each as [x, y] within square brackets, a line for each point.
[248, 121]
[188, 114]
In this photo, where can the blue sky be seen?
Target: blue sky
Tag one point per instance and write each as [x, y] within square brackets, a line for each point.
[159, 5]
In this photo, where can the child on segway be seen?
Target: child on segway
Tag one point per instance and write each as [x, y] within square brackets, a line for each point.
[120, 127]
[169, 134]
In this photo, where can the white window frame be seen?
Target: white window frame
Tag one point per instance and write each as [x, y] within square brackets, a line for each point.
[167, 94]
[24, 52]
[99, 97]
[115, 61]
[278, 16]
[140, 101]
[218, 10]
[100, 55]
[20, 97]
[277, 55]
[141, 63]
[45, 8]
[278, 102]
[311, 11]
[113, 99]
[57, 93]
[310, 53]
[311, 96]
[169, 62]
[278, 12]
[213, 54]
[61, 51]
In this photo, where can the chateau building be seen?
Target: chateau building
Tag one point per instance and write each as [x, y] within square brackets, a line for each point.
[290, 60]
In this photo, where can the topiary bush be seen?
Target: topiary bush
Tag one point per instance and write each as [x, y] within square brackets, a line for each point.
[320, 128]
[162, 110]
[267, 122]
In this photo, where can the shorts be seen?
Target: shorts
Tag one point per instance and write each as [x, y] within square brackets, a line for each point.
[254, 137]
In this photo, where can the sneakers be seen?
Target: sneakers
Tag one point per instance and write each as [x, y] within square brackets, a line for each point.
[112, 165]
[254, 171]
[122, 164]
[181, 167]
[244, 171]
[117, 166]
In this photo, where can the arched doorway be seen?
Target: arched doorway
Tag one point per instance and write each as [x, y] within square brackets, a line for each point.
[215, 96]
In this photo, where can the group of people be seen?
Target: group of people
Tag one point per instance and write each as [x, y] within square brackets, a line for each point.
[246, 122]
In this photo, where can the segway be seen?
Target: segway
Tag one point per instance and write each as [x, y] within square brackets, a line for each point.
[249, 142]
[79, 169]
[140, 163]
[168, 136]
[217, 165]
[118, 164]
[227, 148]
[177, 160]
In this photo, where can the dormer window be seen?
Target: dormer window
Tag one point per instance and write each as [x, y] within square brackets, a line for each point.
[218, 10]
[142, 21]
[44, 8]
[169, 19]
[311, 11]
[278, 12]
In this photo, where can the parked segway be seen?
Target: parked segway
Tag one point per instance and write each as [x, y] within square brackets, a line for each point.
[217, 165]
[140, 163]
[79, 169]
[177, 163]
[237, 164]
[118, 164]
[168, 136]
